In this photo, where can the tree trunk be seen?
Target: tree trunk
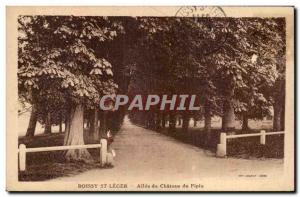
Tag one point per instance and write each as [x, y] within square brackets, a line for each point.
[228, 119]
[146, 120]
[282, 119]
[151, 119]
[185, 121]
[163, 121]
[74, 135]
[91, 120]
[179, 121]
[60, 123]
[103, 126]
[207, 123]
[278, 121]
[94, 118]
[48, 123]
[88, 124]
[279, 105]
[157, 121]
[32, 122]
[172, 122]
[207, 119]
[245, 123]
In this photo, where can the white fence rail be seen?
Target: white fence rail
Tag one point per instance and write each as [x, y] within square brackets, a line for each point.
[105, 157]
[222, 147]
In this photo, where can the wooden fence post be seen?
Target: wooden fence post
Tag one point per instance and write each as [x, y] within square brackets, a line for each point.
[221, 148]
[22, 157]
[103, 152]
[263, 137]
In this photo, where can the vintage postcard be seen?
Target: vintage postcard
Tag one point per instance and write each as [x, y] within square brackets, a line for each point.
[190, 98]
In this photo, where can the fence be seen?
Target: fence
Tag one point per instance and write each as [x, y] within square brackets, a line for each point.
[221, 148]
[104, 156]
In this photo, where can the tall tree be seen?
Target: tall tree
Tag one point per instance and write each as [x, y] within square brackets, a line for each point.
[32, 122]
[57, 58]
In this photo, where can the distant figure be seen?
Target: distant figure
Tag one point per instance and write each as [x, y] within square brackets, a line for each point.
[110, 138]
[111, 153]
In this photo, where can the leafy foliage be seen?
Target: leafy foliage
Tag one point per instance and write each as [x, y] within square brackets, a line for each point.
[220, 58]
[77, 59]
[58, 63]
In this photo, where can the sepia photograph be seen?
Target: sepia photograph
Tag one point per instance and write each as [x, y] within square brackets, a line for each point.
[190, 98]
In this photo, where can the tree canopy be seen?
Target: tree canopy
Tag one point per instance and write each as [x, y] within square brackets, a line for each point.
[67, 63]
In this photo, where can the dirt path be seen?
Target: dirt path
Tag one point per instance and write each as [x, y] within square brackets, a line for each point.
[146, 156]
